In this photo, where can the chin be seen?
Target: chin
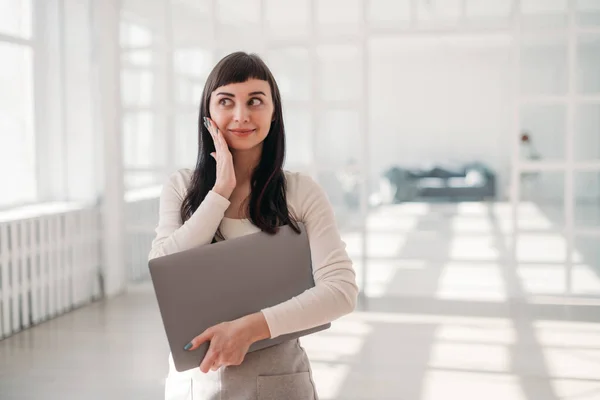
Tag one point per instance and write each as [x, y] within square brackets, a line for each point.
[248, 145]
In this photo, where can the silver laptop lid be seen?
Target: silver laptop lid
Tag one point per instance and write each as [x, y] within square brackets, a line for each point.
[223, 281]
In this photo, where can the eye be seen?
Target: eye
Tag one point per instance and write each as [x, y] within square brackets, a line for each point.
[255, 101]
[225, 102]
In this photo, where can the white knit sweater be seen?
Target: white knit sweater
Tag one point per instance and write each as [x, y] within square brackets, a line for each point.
[335, 288]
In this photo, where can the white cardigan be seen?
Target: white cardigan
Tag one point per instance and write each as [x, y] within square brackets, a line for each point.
[335, 291]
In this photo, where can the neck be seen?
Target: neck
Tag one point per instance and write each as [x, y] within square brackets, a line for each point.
[244, 162]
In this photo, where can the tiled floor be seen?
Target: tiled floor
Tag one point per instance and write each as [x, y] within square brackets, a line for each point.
[449, 316]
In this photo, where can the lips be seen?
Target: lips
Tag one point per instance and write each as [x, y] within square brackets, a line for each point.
[242, 132]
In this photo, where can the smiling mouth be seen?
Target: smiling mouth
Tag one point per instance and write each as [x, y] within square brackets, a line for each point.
[242, 132]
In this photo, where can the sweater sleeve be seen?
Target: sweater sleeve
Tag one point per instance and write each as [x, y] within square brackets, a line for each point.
[171, 235]
[335, 290]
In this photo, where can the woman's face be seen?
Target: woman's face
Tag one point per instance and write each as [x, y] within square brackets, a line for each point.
[243, 112]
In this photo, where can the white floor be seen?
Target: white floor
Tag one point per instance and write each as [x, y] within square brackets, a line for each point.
[449, 315]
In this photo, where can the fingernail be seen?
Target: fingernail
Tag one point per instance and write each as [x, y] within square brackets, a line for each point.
[188, 346]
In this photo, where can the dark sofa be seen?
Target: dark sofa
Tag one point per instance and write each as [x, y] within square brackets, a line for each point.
[471, 181]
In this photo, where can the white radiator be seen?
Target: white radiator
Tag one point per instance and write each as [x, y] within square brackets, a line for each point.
[49, 263]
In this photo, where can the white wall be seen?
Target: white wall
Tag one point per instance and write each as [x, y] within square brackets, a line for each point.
[440, 101]
[450, 100]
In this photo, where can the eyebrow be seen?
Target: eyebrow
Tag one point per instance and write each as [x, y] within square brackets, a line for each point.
[232, 95]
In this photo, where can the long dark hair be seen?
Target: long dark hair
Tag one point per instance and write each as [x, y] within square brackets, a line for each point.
[267, 208]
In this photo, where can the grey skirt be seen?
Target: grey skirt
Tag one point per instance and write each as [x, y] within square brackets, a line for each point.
[274, 373]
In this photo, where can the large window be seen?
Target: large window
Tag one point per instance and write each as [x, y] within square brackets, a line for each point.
[192, 62]
[17, 144]
[142, 77]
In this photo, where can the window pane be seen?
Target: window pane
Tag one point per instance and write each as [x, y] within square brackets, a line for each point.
[544, 65]
[588, 12]
[144, 140]
[195, 62]
[239, 26]
[15, 17]
[338, 17]
[17, 146]
[133, 35]
[543, 132]
[339, 83]
[238, 11]
[588, 63]
[389, 13]
[192, 66]
[585, 279]
[343, 188]
[439, 13]
[186, 139]
[137, 87]
[537, 14]
[138, 179]
[298, 124]
[192, 25]
[287, 19]
[542, 195]
[188, 92]
[137, 58]
[485, 12]
[587, 134]
[291, 68]
[338, 139]
[587, 199]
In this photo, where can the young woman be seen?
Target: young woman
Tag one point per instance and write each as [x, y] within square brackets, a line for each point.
[238, 187]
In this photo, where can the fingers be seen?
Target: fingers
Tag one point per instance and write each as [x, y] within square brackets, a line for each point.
[216, 134]
[222, 142]
[210, 360]
[198, 340]
[208, 124]
[213, 129]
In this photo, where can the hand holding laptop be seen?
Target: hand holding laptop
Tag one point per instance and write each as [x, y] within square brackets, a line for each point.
[231, 281]
[230, 341]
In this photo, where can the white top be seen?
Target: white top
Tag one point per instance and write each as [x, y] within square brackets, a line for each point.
[335, 291]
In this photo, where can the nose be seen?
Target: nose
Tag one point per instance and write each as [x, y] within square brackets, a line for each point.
[241, 114]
